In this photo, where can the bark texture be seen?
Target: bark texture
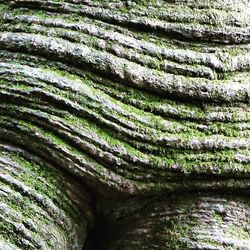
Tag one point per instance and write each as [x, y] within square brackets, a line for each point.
[179, 221]
[41, 208]
[124, 102]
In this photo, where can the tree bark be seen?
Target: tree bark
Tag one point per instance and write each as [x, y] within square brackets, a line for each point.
[179, 221]
[124, 124]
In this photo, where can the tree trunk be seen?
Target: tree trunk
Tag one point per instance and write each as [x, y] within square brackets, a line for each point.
[124, 124]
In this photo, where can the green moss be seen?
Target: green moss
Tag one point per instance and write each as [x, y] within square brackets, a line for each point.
[44, 180]
[177, 232]
[7, 230]
[239, 233]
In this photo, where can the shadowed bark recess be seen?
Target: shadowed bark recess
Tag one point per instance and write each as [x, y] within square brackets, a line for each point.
[107, 106]
[179, 221]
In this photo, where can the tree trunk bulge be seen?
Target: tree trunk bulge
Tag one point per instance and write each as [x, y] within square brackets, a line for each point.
[124, 124]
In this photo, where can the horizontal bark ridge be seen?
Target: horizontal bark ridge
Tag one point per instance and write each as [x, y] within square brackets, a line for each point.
[128, 96]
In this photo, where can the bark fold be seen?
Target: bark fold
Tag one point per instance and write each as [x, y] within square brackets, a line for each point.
[106, 107]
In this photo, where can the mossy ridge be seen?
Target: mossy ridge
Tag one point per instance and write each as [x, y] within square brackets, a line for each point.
[208, 166]
[156, 187]
[188, 168]
[206, 58]
[130, 72]
[76, 18]
[74, 161]
[103, 14]
[242, 129]
[132, 157]
[28, 209]
[160, 105]
[53, 187]
[220, 128]
[164, 65]
[217, 16]
[25, 178]
[158, 162]
[70, 31]
[34, 164]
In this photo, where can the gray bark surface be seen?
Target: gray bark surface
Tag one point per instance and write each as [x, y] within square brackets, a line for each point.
[124, 124]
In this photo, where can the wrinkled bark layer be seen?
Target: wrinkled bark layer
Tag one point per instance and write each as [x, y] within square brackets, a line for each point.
[40, 207]
[132, 111]
[128, 98]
